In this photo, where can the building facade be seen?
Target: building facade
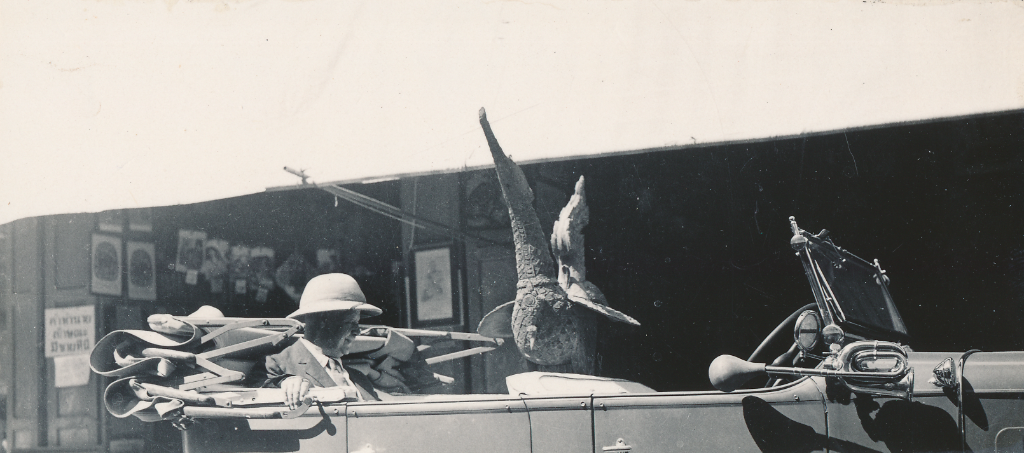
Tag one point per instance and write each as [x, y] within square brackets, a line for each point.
[692, 241]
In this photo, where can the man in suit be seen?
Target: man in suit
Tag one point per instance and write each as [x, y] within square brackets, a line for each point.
[330, 308]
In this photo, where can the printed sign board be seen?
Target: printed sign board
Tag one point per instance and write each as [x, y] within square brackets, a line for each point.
[70, 331]
[71, 370]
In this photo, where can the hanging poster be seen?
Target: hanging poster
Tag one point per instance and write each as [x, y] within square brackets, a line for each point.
[190, 251]
[141, 270]
[106, 265]
[434, 303]
[238, 268]
[261, 265]
[215, 264]
[70, 330]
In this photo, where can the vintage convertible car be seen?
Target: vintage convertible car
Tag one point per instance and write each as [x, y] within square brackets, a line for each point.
[847, 383]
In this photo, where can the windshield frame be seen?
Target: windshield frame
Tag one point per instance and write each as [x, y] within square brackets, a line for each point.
[818, 251]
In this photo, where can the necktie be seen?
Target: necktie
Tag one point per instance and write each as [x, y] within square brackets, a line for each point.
[340, 376]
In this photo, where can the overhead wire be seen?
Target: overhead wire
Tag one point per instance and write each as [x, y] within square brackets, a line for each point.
[387, 210]
[398, 214]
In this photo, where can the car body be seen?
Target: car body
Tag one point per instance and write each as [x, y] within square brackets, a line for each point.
[848, 383]
[798, 416]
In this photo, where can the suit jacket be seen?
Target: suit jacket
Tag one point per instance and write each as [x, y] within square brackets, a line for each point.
[296, 360]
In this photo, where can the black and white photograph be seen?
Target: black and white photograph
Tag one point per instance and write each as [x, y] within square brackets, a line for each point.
[511, 226]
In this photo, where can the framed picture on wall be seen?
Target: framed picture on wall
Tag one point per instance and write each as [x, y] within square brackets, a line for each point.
[190, 251]
[106, 265]
[141, 270]
[433, 302]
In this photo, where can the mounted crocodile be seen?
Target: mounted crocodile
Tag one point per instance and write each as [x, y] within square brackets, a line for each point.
[553, 318]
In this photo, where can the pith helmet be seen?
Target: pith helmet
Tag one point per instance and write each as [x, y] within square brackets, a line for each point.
[333, 292]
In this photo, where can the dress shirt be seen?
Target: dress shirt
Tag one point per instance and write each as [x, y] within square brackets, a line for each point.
[333, 367]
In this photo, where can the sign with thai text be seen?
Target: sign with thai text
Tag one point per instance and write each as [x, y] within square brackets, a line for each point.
[70, 331]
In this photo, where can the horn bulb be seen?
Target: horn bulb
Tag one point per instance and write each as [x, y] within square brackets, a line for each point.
[728, 372]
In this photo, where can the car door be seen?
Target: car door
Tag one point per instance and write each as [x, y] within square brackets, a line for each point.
[560, 424]
[313, 432]
[449, 423]
[786, 418]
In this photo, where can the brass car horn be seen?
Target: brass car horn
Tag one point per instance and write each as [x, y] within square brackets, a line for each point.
[878, 368]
